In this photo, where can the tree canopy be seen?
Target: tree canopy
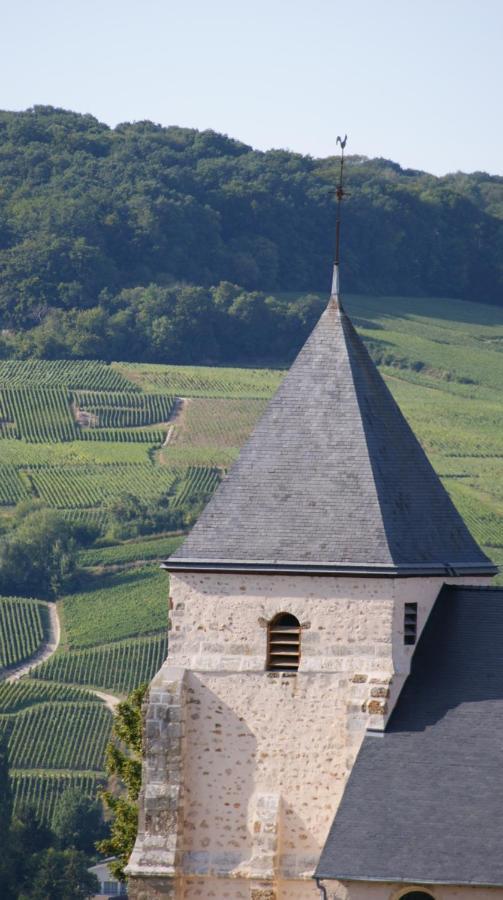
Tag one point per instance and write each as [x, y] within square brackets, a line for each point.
[124, 755]
[91, 216]
[38, 554]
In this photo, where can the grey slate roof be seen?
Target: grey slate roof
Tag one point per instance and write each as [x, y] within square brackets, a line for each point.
[424, 802]
[332, 479]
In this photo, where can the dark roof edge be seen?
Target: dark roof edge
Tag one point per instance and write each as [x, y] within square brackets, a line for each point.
[290, 568]
[399, 879]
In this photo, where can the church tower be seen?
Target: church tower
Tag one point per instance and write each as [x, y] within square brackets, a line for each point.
[296, 603]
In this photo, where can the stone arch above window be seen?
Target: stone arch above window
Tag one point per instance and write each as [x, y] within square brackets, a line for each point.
[414, 894]
[283, 643]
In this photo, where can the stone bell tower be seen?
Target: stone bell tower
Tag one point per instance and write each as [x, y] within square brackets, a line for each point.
[295, 604]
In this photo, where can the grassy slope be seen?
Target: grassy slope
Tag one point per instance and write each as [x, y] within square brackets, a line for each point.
[23, 628]
[124, 604]
[442, 360]
[454, 400]
[202, 381]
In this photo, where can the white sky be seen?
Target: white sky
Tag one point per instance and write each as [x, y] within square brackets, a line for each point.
[417, 81]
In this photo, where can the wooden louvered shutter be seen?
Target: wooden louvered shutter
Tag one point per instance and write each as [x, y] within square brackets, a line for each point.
[283, 643]
[410, 623]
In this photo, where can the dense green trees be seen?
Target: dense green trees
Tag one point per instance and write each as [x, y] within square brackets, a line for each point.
[124, 755]
[91, 216]
[38, 555]
[77, 822]
[60, 875]
[180, 324]
[36, 864]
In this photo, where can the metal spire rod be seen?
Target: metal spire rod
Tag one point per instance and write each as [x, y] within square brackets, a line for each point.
[339, 193]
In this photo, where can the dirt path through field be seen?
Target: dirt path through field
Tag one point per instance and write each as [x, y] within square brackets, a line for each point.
[108, 699]
[176, 418]
[45, 651]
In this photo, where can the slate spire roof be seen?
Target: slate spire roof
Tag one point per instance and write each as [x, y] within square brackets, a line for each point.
[332, 480]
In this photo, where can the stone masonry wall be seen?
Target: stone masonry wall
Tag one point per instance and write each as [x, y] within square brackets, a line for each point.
[266, 755]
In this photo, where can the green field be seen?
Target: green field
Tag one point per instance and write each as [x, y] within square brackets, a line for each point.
[94, 486]
[42, 789]
[78, 434]
[209, 424]
[153, 548]
[23, 628]
[202, 381]
[85, 375]
[118, 667]
[129, 603]
[56, 737]
[120, 409]
[18, 695]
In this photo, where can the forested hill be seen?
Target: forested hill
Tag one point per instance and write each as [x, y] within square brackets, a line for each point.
[90, 216]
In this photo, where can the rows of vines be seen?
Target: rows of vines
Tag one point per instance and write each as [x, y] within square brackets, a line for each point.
[152, 436]
[18, 695]
[118, 667]
[108, 409]
[58, 736]
[197, 480]
[12, 488]
[39, 414]
[82, 374]
[22, 629]
[91, 485]
[42, 791]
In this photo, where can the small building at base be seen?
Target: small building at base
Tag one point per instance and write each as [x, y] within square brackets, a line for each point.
[290, 749]
[109, 884]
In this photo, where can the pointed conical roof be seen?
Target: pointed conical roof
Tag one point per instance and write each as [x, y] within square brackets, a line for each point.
[332, 480]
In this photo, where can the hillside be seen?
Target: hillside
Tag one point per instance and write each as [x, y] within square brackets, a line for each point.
[81, 435]
[125, 243]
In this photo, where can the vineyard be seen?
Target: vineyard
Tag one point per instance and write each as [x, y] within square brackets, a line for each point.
[152, 436]
[58, 736]
[215, 424]
[194, 481]
[202, 381]
[91, 486]
[129, 603]
[36, 414]
[44, 415]
[95, 517]
[41, 790]
[105, 409]
[157, 548]
[85, 486]
[78, 434]
[23, 627]
[117, 667]
[82, 374]
[19, 695]
[12, 488]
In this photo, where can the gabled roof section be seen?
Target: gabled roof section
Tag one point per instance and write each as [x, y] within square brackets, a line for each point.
[424, 802]
[332, 480]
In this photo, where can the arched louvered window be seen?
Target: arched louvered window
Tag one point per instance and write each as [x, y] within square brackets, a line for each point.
[283, 643]
[417, 895]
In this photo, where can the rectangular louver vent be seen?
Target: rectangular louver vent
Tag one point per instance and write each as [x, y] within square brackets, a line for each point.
[410, 623]
[283, 650]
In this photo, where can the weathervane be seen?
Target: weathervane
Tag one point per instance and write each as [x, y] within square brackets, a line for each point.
[339, 193]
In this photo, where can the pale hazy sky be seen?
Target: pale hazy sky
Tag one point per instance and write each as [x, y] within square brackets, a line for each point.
[417, 81]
